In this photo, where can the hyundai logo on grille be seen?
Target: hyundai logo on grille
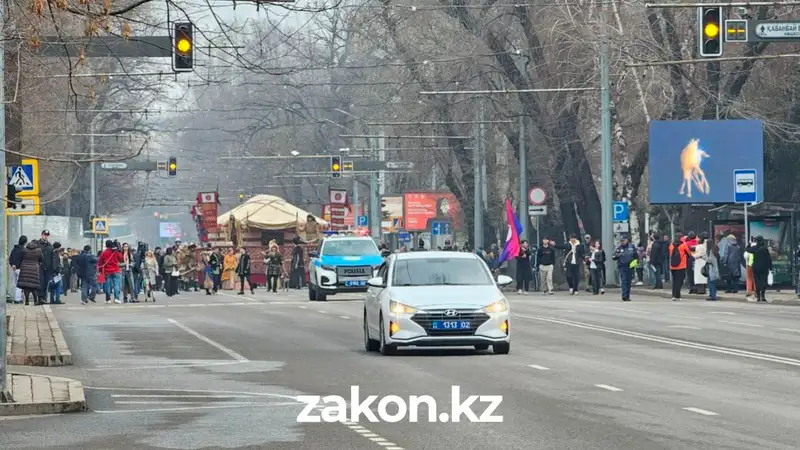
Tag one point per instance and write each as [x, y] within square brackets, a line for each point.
[451, 312]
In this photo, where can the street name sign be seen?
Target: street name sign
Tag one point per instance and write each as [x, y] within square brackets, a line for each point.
[114, 166]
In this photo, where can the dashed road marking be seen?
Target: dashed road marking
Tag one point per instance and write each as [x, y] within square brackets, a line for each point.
[208, 341]
[303, 307]
[537, 367]
[321, 312]
[724, 313]
[791, 330]
[685, 327]
[565, 310]
[344, 317]
[701, 411]
[608, 388]
[744, 324]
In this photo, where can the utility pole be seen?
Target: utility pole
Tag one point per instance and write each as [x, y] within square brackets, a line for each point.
[478, 191]
[523, 180]
[607, 202]
[3, 217]
[374, 205]
[92, 172]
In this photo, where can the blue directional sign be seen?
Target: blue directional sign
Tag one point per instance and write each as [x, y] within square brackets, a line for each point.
[440, 228]
[25, 177]
[744, 186]
[404, 237]
[362, 221]
[621, 212]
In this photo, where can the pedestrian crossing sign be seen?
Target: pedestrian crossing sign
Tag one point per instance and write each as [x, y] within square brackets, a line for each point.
[25, 177]
[100, 226]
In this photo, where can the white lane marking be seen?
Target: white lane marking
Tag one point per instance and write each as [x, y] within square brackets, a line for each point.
[180, 396]
[684, 326]
[791, 330]
[701, 411]
[208, 341]
[742, 324]
[173, 402]
[370, 435]
[362, 430]
[344, 317]
[205, 391]
[608, 388]
[238, 296]
[663, 340]
[723, 313]
[303, 307]
[189, 408]
[394, 448]
[682, 317]
[167, 366]
[387, 444]
[35, 416]
[321, 312]
[627, 310]
[565, 310]
[534, 366]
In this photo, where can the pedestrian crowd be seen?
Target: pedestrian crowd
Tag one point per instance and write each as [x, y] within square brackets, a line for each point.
[44, 271]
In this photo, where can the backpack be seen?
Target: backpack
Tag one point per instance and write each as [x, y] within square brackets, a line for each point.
[675, 257]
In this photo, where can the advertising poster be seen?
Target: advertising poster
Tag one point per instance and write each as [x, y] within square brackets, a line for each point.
[421, 209]
[693, 161]
[171, 230]
[776, 235]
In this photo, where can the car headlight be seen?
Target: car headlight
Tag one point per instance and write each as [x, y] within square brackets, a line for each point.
[331, 268]
[496, 307]
[399, 308]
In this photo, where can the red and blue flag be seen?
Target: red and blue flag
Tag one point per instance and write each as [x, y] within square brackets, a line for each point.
[511, 249]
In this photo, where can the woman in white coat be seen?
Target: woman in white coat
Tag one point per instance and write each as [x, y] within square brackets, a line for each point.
[700, 260]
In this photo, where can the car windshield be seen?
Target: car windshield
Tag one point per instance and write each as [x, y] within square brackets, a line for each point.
[350, 247]
[441, 271]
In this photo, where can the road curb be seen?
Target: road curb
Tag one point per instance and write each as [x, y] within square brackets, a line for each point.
[56, 354]
[666, 294]
[48, 395]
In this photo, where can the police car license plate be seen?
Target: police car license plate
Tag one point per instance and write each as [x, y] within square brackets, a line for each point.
[355, 283]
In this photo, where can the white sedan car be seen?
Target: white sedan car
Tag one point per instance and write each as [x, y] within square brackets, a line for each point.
[436, 299]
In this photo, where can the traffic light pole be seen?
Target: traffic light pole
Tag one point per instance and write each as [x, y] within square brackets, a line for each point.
[3, 217]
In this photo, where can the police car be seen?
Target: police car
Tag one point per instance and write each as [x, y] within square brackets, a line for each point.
[342, 264]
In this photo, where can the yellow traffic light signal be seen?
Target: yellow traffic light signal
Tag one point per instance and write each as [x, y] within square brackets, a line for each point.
[710, 21]
[336, 166]
[183, 47]
[172, 166]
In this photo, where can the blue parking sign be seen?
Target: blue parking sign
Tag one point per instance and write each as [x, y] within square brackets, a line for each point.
[362, 221]
[621, 212]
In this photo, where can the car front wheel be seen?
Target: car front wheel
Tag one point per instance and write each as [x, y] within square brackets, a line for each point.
[370, 345]
[386, 349]
[501, 348]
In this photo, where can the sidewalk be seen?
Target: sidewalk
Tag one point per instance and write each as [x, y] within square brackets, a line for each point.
[40, 394]
[785, 297]
[35, 338]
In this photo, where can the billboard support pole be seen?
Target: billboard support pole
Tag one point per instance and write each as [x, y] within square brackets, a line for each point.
[607, 199]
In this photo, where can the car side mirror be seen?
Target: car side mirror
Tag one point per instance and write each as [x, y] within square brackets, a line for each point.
[504, 280]
[376, 282]
[313, 254]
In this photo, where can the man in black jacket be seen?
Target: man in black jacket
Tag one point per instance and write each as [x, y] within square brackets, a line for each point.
[545, 260]
[420, 247]
[87, 273]
[657, 257]
[46, 272]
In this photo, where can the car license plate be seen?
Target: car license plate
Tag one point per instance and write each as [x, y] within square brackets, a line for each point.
[356, 283]
[450, 325]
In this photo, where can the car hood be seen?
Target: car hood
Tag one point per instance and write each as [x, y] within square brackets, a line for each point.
[435, 297]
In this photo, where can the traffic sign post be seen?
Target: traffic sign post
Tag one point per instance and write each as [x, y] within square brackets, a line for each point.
[100, 225]
[621, 213]
[537, 196]
[745, 191]
[25, 177]
[25, 206]
[440, 229]
[537, 210]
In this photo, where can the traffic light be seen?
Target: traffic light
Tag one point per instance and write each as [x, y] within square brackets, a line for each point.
[710, 32]
[11, 195]
[241, 198]
[336, 166]
[183, 47]
[172, 166]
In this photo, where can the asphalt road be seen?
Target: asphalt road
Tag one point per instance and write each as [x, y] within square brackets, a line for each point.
[584, 373]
